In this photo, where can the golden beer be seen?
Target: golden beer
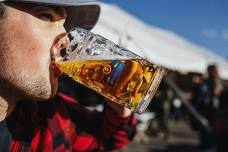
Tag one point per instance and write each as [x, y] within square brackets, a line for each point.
[129, 82]
[113, 71]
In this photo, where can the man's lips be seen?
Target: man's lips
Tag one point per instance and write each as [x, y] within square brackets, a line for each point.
[56, 70]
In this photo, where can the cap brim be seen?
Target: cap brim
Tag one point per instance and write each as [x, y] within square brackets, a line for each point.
[83, 16]
[80, 13]
[55, 2]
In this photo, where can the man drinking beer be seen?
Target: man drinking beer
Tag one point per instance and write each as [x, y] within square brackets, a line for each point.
[33, 117]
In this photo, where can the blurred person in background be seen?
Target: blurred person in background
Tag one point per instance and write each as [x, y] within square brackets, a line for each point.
[33, 117]
[197, 80]
[206, 100]
[221, 122]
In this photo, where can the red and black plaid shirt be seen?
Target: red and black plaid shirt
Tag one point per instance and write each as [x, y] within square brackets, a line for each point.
[64, 125]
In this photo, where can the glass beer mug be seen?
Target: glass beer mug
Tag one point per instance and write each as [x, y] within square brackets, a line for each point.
[114, 72]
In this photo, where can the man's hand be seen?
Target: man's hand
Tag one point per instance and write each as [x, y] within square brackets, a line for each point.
[119, 109]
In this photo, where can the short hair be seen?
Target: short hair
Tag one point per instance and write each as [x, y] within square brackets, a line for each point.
[212, 70]
[2, 10]
[211, 67]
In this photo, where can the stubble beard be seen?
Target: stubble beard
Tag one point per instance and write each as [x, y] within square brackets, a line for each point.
[18, 83]
[37, 87]
[26, 86]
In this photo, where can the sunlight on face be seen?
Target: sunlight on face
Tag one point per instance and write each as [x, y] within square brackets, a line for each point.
[27, 35]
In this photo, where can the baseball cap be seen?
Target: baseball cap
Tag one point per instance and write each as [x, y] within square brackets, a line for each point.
[80, 13]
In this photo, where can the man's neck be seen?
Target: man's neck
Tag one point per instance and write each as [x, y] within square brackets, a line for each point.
[6, 108]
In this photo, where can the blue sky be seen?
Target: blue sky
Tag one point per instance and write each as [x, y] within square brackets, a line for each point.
[204, 22]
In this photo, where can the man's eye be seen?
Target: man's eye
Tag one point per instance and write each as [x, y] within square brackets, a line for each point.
[46, 16]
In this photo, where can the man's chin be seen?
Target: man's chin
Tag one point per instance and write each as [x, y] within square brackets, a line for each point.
[42, 96]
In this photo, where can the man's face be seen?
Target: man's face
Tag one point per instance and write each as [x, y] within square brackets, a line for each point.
[28, 33]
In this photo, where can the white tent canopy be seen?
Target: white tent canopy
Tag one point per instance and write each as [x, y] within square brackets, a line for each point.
[157, 45]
